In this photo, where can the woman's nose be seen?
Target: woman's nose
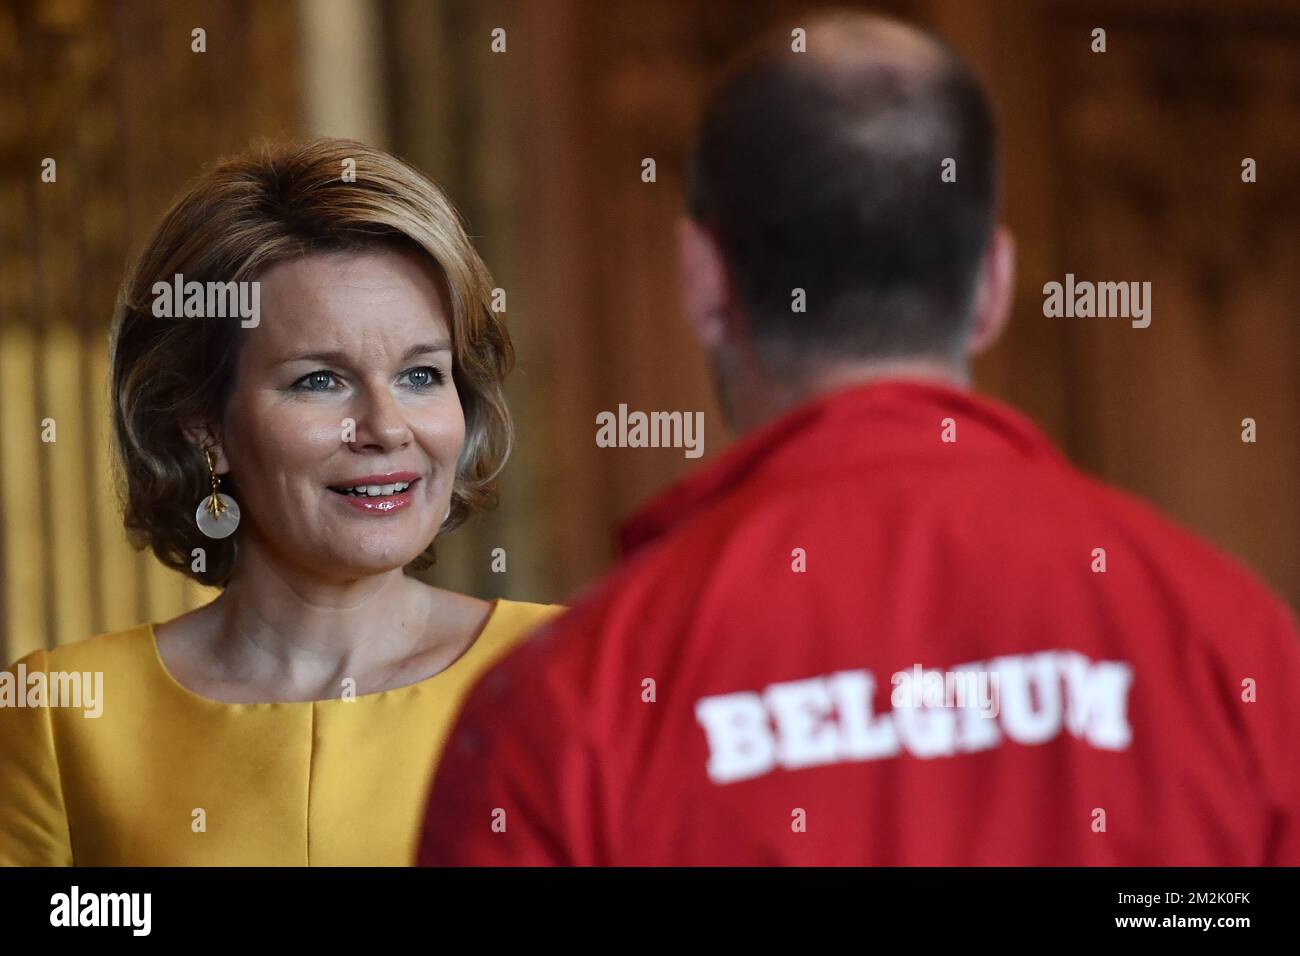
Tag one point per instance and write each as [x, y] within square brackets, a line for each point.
[380, 422]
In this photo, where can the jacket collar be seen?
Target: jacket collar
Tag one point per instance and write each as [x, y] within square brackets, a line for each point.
[836, 413]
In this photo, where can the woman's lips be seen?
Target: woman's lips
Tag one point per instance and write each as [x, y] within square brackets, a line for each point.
[378, 504]
[381, 504]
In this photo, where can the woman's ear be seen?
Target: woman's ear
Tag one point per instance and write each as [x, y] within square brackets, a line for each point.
[203, 436]
[702, 276]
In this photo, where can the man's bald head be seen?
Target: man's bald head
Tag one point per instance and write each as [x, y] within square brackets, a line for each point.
[822, 170]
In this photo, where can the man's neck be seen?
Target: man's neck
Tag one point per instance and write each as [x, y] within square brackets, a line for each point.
[766, 399]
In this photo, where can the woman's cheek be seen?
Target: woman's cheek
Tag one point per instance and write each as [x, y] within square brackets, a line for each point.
[448, 440]
[442, 430]
[321, 436]
[304, 433]
[268, 425]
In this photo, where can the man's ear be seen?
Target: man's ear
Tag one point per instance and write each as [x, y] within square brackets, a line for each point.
[702, 274]
[996, 292]
[203, 436]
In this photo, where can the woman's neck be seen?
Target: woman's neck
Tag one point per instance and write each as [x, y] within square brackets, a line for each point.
[282, 625]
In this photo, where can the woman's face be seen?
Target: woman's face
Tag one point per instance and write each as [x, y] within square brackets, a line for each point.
[344, 428]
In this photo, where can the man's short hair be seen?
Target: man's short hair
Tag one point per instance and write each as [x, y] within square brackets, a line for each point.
[821, 171]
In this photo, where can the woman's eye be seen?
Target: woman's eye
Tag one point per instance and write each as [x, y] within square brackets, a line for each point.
[426, 376]
[315, 381]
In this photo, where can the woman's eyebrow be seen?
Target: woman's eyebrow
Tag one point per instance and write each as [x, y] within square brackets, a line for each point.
[342, 358]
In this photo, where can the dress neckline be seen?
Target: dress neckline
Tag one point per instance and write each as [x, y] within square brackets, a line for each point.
[476, 647]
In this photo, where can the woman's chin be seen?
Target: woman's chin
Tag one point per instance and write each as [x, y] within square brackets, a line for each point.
[368, 561]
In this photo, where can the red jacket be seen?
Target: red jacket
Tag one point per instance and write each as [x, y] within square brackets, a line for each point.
[878, 632]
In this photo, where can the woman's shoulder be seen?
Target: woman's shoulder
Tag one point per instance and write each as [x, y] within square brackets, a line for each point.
[512, 621]
[524, 614]
[42, 691]
[109, 651]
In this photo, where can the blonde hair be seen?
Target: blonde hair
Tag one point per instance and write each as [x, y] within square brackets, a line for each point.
[235, 220]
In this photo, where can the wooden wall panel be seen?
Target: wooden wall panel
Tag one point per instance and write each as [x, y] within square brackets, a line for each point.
[1153, 133]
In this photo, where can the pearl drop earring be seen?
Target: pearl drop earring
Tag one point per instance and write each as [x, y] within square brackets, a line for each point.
[217, 515]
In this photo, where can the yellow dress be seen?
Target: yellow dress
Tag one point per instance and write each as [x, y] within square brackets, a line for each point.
[164, 777]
